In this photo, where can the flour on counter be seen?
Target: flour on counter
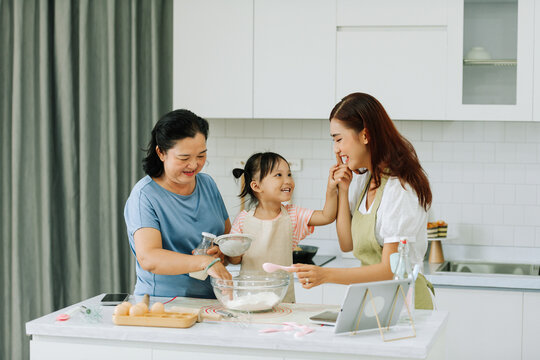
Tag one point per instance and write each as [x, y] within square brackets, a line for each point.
[254, 302]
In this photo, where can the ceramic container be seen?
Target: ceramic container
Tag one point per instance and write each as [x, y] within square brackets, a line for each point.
[478, 53]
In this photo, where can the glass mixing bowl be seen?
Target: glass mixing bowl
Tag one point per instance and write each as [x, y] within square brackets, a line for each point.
[251, 291]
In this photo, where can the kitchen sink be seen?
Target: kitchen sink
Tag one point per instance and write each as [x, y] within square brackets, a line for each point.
[488, 268]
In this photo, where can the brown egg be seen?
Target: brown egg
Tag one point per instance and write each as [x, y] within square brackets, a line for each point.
[136, 311]
[121, 309]
[157, 308]
[143, 306]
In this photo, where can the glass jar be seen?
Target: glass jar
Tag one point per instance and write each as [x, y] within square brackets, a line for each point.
[206, 243]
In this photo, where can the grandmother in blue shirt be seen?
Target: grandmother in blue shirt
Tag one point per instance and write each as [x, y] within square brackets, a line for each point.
[171, 206]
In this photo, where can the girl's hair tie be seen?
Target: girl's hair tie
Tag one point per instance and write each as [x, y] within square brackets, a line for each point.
[237, 172]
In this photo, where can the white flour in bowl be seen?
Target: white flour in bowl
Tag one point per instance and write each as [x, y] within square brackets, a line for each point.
[254, 302]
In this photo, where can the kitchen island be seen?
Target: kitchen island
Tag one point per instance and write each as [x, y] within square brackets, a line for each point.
[85, 338]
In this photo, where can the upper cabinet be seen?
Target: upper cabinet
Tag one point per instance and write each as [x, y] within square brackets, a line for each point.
[255, 58]
[294, 58]
[536, 77]
[490, 60]
[213, 57]
[423, 59]
[396, 51]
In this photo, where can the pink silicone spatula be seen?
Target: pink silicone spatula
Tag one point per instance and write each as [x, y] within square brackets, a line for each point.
[269, 267]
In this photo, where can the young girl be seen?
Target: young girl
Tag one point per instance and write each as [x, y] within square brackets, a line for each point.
[277, 228]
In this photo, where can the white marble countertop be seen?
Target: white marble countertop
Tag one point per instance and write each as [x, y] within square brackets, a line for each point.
[429, 326]
[510, 282]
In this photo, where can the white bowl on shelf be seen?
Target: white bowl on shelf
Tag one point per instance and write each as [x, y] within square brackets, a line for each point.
[478, 53]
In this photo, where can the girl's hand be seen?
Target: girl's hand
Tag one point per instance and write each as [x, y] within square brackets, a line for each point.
[309, 275]
[343, 177]
[342, 174]
[234, 259]
[332, 181]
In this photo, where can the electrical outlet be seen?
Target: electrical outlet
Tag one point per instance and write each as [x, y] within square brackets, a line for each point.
[295, 164]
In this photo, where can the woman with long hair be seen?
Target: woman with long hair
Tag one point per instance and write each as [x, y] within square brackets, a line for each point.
[385, 202]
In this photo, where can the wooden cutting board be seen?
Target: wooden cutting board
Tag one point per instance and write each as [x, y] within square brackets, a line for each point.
[167, 319]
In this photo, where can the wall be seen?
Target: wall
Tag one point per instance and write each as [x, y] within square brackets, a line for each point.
[485, 176]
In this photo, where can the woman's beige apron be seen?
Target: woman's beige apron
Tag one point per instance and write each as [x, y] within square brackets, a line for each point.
[369, 252]
[273, 243]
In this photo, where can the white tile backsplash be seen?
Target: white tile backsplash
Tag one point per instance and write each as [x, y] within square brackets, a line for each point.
[515, 132]
[443, 151]
[412, 130]
[474, 131]
[492, 214]
[526, 153]
[485, 176]
[254, 128]
[524, 236]
[533, 135]
[483, 152]
[453, 131]
[503, 236]
[494, 132]
[292, 129]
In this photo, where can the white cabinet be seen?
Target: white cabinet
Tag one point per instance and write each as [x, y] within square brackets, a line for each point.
[531, 326]
[328, 294]
[254, 58]
[482, 324]
[294, 58]
[536, 77]
[395, 51]
[391, 12]
[213, 57]
[308, 296]
[499, 86]
[334, 294]
[44, 348]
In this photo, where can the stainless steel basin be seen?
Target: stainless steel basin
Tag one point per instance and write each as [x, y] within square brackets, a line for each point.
[488, 268]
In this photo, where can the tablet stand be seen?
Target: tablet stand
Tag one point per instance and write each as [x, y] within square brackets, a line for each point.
[383, 329]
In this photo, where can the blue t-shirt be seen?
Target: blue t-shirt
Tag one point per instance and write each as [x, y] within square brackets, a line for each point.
[181, 220]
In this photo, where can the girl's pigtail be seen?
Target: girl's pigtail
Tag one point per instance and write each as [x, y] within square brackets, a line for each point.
[237, 172]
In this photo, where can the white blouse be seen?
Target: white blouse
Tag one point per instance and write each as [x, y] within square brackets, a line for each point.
[400, 215]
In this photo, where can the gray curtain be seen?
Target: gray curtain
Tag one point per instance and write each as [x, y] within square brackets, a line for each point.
[81, 84]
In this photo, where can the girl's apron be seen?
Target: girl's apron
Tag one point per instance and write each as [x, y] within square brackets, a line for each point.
[273, 243]
[369, 252]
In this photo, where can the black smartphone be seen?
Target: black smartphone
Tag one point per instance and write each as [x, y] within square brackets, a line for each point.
[325, 318]
[114, 299]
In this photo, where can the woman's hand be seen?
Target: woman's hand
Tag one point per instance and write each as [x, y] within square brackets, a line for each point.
[310, 275]
[215, 252]
[219, 271]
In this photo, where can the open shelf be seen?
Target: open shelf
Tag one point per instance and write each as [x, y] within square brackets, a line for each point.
[469, 62]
